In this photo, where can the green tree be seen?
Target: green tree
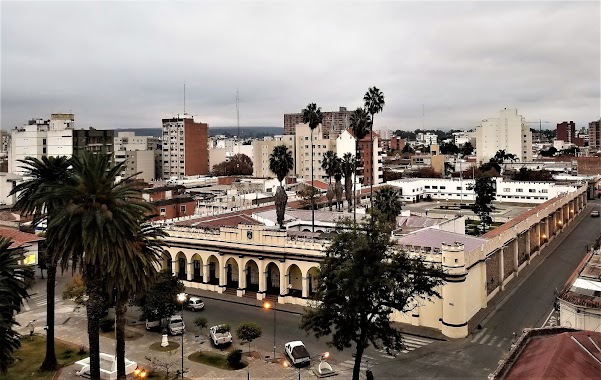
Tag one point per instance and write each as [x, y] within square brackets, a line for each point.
[308, 195]
[373, 101]
[467, 149]
[313, 117]
[101, 218]
[449, 148]
[201, 322]
[160, 301]
[42, 176]
[549, 152]
[248, 331]
[360, 124]
[331, 164]
[484, 188]
[13, 279]
[502, 156]
[238, 164]
[338, 190]
[388, 203]
[347, 167]
[280, 164]
[75, 290]
[363, 279]
[408, 149]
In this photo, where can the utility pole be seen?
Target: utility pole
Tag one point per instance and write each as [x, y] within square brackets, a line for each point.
[238, 117]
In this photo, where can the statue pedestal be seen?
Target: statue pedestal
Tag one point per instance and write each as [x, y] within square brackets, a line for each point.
[164, 341]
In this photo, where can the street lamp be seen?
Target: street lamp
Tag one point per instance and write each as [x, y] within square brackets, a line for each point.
[181, 298]
[140, 373]
[267, 306]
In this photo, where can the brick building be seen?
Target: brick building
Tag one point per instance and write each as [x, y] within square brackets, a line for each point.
[566, 131]
[174, 207]
[185, 147]
[594, 134]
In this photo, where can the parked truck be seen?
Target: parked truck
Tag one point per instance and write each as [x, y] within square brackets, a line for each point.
[297, 352]
[174, 325]
[220, 335]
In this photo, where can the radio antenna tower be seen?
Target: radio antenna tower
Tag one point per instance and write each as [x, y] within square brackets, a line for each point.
[184, 97]
[238, 117]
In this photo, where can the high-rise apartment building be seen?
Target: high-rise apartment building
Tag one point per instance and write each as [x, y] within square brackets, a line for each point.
[97, 141]
[262, 150]
[333, 123]
[594, 134]
[142, 155]
[507, 132]
[370, 169]
[185, 147]
[303, 158]
[566, 132]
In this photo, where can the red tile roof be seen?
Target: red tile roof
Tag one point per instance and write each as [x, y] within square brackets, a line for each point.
[318, 184]
[568, 355]
[216, 221]
[19, 238]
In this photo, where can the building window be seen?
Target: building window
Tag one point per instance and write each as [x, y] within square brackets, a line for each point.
[532, 190]
[544, 191]
[506, 189]
[427, 186]
[183, 208]
[519, 190]
[435, 187]
[443, 187]
[162, 211]
[458, 187]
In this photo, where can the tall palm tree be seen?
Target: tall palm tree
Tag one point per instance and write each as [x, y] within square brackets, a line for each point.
[313, 117]
[42, 176]
[133, 272]
[347, 167]
[280, 164]
[360, 123]
[338, 186]
[330, 164]
[373, 101]
[101, 218]
[12, 291]
[388, 203]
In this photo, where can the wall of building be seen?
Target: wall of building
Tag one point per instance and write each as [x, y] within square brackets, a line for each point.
[262, 150]
[303, 152]
[501, 133]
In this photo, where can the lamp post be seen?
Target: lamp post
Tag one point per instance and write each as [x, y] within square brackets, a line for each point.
[181, 298]
[267, 306]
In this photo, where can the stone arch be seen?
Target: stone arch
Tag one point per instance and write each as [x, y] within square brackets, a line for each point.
[181, 264]
[166, 261]
[294, 281]
[197, 271]
[306, 230]
[213, 263]
[232, 273]
[251, 271]
[311, 276]
[272, 278]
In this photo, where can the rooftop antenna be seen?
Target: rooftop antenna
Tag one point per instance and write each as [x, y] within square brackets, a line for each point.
[238, 117]
[184, 97]
[423, 116]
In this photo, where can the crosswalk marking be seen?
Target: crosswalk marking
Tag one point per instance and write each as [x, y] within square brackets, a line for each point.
[501, 342]
[485, 339]
[479, 335]
[492, 341]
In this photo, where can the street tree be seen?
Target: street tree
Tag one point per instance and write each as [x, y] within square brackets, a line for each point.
[238, 164]
[330, 164]
[42, 176]
[449, 148]
[313, 117]
[484, 188]
[373, 101]
[388, 203]
[360, 124]
[160, 301]
[363, 279]
[347, 167]
[248, 331]
[75, 290]
[280, 164]
[308, 195]
[467, 149]
[502, 156]
[13, 289]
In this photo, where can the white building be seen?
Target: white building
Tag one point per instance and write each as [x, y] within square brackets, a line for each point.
[221, 154]
[142, 154]
[426, 138]
[262, 150]
[41, 137]
[460, 138]
[303, 152]
[508, 132]
[346, 143]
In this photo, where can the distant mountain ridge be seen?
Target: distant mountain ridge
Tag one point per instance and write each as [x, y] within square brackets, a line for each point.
[245, 132]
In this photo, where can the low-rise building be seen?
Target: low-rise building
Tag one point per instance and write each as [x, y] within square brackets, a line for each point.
[30, 243]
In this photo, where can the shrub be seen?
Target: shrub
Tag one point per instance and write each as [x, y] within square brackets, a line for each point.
[106, 324]
[201, 322]
[234, 358]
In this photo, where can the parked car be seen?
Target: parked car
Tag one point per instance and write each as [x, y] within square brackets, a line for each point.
[195, 304]
[595, 213]
[174, 325]
[297, 352]
[220, 335]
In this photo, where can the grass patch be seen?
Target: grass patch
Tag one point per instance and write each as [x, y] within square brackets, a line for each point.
[30, 356]
[214, 360]
[129, 335]
[156, 346]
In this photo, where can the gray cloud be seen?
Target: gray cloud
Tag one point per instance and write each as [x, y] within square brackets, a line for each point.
[123, 64]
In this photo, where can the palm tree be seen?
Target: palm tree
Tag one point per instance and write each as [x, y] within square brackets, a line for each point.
[374, 103]
[134, 272]
[280, 164]
[338, 187]
[42, 176]
[312, 116]
[360, 123]
[102, 218]
[347, 167]
[330, 164]
[388, 203]
[12, 291]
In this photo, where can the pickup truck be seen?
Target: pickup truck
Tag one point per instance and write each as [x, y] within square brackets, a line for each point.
[174, 325]
[297, 352]
[220, 335]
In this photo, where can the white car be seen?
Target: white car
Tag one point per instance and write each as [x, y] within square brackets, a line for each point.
[297, 352]
[220, 335]
[195, 304]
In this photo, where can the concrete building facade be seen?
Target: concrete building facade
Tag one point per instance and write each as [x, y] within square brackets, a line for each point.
[502, 133]
[97, 141]
[594, 134]
[262, 150]
[185, 147]
[334, 122]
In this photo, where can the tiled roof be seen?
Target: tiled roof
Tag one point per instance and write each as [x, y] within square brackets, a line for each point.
[502, 228]
[224, 220]
[568, 355]
[18, 238]
[318, 184]
[433, 238]
[305, 215]
[417, 221]
[173, 201]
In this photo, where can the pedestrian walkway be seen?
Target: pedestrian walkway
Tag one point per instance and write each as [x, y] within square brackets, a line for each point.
[485, 338]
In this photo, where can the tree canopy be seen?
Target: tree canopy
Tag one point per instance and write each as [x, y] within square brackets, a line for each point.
[160, 301]
[388, 203]
[449, 148]
[485, 191]
[238, 164]
[525, 174]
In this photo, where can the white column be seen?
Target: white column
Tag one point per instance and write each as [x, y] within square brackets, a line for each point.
[190, 275]
[305, 287]
[205, 273]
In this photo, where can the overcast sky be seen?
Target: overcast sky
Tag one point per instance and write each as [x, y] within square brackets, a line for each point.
[123, 64]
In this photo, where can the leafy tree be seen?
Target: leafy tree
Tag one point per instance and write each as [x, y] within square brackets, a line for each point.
[224, 328]
[467, 149]
[42, 176]
[449, 148]
[408, 149]
[549, 152]
[373, 101]
[280, 164]
[360, 124]
[75, 290]
[347, 167]
[485, 196]
[408, 135]
[363, 279]
[502, 156]
[308, 195]
[13, 278]
[331, 164]
[313, 117]
[388, 203]
[490, 165]
[248, 331]
[571, 151]
[238, 164]
[426, 172]
[160, 301]
[201, 322]
[525, 174]
[390, 175]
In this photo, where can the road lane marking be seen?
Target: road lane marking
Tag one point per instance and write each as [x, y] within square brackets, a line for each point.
[485, 339]
[501, 342]
[492, 341]
[479, 335]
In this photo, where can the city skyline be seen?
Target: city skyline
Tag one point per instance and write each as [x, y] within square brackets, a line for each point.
[124, 65]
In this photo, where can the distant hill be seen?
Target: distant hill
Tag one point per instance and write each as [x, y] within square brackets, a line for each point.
[245, 132]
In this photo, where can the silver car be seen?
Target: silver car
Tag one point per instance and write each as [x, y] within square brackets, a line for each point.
[195, 304]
